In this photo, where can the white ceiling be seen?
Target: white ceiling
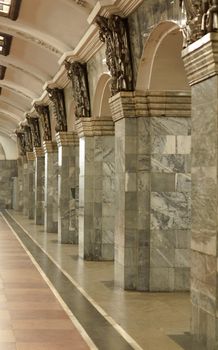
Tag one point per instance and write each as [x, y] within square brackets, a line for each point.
[44, 30]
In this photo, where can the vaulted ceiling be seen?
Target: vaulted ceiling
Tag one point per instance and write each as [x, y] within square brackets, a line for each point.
[43, 31]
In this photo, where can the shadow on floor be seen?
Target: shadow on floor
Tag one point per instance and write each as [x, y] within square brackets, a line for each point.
[185, 341]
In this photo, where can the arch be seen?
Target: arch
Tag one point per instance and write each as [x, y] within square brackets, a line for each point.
[149, 55]
[2, 152]
[102, 94]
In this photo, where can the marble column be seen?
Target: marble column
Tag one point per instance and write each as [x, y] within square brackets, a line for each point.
[19, 185]
[25, 186]
[68, 186]
[201, 61]
[51, 186]
[39, 185]
[97, 188]
[132, 202]
[31, 185]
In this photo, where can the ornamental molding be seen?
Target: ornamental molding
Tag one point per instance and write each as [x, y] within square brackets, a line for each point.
[38, 152]
[150, 104]
[94, 127]
[50, 147]
[67, 139]
[201, 59]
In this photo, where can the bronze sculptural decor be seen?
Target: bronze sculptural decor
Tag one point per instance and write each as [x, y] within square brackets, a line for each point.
[113, 32]
[77, 73]
[43, 112]
[28, 138]
[57, 97]
[202, 18]
[33, 122]
[21, 142]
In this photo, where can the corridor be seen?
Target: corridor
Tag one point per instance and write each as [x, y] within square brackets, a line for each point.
[108, 317]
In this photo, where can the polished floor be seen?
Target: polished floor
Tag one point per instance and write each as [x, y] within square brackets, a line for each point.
[112, 318]
[31, 317]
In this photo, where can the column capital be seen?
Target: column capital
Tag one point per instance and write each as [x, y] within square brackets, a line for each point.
[128, 105]
[38, 152]
[201, 58]
[67, 138]
[49, 146]
[151, 104]
[30, 156]
[95, 127]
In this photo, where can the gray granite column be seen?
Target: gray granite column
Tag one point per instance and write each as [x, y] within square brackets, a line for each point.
[31, 185]
[170, 202]
[97, 188]
[19, 189]
[51, 186]
[39, 185]
[132, 202]
[201, 61]
[68, 186]
[25, 186]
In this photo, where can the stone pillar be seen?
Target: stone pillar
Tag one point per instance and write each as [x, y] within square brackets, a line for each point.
[97, 188]
[51, 186]
[25, 186]
[68, 157]
[19, 190]
[31, 185]
[170, 201]
[201, 62]
[39, 185]
[132, 202]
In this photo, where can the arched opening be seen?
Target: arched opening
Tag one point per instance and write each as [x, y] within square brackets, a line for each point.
[101, 107]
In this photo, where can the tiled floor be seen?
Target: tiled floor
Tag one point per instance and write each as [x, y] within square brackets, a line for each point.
[151, 319]
[31, 318]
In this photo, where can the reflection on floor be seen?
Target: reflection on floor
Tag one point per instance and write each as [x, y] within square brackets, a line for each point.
[151, 319]
[30, 315]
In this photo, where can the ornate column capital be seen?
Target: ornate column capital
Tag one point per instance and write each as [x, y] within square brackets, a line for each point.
[43, 111]
[30, 156]
[33, 122]
[95, 127]
[50, 147]
[77, 72]
[128, 105]
[66, 139]
[57, 97]
[38, 152]
[201, 58]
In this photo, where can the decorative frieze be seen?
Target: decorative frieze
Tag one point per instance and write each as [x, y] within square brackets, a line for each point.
[202, 18]
[57, 97]
[28, 138]
[43, 112]
[21, 142]
[77, 72]
[33, 122]
[95, 127]
[113, 32]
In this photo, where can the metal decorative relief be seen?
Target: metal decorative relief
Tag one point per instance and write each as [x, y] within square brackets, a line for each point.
[33, 122]
[202, 18]
[113, 32]
[57, 97]
[43, 112]
[28, 138]
[21, 142]
[77, 73]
